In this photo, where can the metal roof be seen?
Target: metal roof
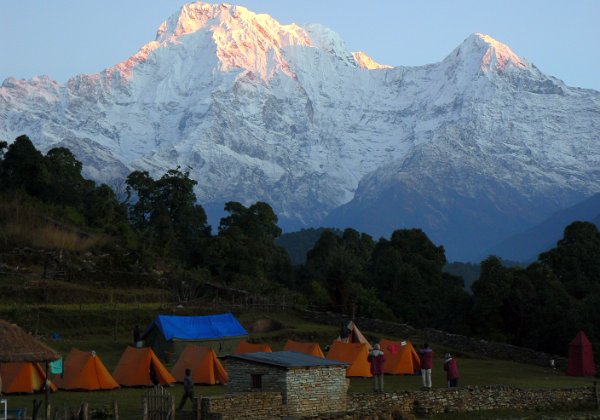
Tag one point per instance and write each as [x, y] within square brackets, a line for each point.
[286, 359]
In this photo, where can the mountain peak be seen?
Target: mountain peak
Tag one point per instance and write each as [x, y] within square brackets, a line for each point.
[243, 39]
[488, 54]
[497, 55]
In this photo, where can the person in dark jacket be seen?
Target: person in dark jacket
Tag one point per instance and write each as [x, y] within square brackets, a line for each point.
[153, 375]
[451, 369]
[377, 359]
[344, 332]
[137, 336]
[426, 354]
[188, 388]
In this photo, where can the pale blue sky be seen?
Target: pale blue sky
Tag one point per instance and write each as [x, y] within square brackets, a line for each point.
[62, 38]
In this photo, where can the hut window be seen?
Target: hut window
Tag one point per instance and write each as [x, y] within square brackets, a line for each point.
[256, 381]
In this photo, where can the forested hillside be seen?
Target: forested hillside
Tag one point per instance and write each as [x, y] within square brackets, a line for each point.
[159, 233]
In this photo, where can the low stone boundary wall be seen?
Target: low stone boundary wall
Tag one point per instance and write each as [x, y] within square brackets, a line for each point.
[269, 405]
[251, 405]
[459, 342]
[471, 399]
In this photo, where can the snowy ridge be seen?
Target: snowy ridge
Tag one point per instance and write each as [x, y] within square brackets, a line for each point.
[286, 114]
[366, 62]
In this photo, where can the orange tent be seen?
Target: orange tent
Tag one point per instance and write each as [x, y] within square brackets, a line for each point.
[83, 370]
[400, 357]
[206, 368]
[133, 368]
[245, 347]
[22, 377]
[354, 353]
[308, 348]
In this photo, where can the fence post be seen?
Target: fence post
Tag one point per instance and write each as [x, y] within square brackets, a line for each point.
[172, 400]
[37, 404]
[144, 408]
[196, 408]
[84, 411]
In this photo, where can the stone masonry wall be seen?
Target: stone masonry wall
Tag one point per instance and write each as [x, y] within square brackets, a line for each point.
[316, 390]
[273, 378]
[470, 399]
[475, 399]
[459, 342]
[253, 405]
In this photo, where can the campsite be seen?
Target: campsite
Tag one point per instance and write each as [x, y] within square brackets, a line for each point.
[77, 280]
[292, 330]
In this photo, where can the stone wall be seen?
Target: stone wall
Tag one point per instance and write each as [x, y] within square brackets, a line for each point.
[472, 399]
[240, 371]
[269, 405]
[460, 343]
[254, 405]
[316, 390]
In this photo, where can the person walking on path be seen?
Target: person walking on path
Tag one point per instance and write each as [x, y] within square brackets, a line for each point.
[377, 359]
[188, 389]
[426, 354]
[451, 370]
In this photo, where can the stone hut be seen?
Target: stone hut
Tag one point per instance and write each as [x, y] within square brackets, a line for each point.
[308, 384]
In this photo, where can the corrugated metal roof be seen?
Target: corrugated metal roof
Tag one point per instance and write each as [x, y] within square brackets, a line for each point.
[286, 359]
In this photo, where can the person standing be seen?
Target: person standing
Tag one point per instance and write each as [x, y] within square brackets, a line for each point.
[344, 333]
[137, 336]
[377, 359]
[188, 388]
[451, 369]
[153, 375]
[426, 354]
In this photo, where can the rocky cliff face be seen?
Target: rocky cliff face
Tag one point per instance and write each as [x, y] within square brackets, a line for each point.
[470, 149]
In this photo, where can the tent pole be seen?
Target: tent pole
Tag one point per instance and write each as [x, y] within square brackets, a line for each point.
[46, 393]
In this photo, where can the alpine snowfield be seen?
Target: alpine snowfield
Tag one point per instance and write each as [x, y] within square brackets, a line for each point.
[472, 149]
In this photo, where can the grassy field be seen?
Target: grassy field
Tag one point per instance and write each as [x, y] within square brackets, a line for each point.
[474, 371]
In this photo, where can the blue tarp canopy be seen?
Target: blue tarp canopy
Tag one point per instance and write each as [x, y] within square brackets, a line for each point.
[207, 327]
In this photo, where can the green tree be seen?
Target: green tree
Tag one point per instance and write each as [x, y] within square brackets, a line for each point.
[141, 192]
[576, 259]
[23, 168]
[407, 273]
[524, 306]
[245, 248]
[167, 216]
[258, 221]
[65, 183]
[491, 294]
[338, 262]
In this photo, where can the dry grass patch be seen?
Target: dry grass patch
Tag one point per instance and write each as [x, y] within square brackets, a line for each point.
[22, 225]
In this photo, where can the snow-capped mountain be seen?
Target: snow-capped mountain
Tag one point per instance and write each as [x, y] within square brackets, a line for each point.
[471, 149]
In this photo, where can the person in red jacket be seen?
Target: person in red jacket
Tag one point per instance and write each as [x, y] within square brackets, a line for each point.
[426, 354]
[451, 369]
[377, 359]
